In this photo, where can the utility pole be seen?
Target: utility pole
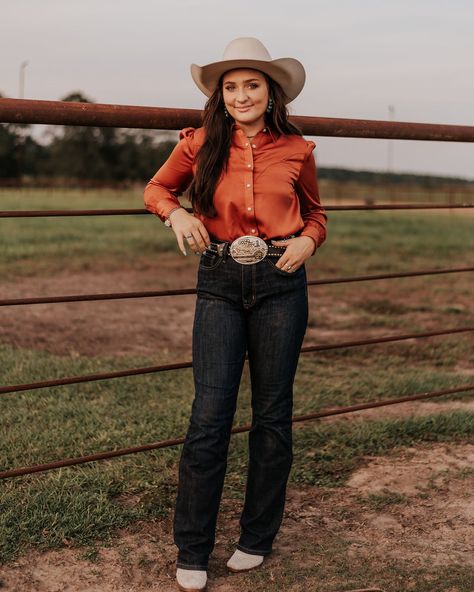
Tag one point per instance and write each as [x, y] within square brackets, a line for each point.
[21, 91]
[391, 114]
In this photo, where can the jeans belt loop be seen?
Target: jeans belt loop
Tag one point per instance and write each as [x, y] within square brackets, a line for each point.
[222, 249]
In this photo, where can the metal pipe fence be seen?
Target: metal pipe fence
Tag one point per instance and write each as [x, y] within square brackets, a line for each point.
[180, 365]
[134, 211]
[66, 113]
[106, 115]
[67, 462]
[186, 291]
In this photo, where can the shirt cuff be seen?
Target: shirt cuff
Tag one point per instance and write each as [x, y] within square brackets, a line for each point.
[164, 209]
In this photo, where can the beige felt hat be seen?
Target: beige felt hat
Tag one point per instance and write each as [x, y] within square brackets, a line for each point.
[249, 52]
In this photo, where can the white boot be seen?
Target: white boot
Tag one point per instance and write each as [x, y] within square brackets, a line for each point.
[241, 561]
[191, 580]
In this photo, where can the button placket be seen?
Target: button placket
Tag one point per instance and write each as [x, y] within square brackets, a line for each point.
[249, 189]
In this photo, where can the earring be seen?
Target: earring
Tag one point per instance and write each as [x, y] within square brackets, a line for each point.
[270, 105]
[226, 112]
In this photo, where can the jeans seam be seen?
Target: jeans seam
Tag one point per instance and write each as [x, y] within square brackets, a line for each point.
[252, 551]
[191, 566]
[254, 284]
[281, 271]
[211, 267]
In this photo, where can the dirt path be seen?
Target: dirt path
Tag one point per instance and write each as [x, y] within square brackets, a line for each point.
[429, 524]
[146, 326]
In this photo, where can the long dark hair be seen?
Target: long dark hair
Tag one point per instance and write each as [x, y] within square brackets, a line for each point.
[212, 157]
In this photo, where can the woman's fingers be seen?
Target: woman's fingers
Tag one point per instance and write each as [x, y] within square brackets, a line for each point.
[287, 260]
[194, 240]
[197, 238]
[188, 228]
[179, 237]
[204, 238]
[283, 264]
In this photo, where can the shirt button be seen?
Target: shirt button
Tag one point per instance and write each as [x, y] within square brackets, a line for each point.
[249, 208]
[249, 165]
[253, 146]
[248, 185]
[253, 229]
[247, 144]
[264, 129]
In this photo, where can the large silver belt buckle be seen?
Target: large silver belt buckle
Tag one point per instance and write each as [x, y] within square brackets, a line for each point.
[248, 249]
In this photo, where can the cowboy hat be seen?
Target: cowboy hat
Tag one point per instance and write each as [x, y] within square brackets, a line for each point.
[249, 52]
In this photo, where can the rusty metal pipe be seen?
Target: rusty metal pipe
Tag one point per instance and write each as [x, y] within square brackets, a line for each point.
[67, 462]
[135, 211]
[166, 367]
[107, 115]
[187, 291]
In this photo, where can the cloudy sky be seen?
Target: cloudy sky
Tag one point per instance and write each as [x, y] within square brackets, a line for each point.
[360, 57]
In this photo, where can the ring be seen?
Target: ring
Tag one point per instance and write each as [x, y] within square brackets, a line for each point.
[289, 266]
[189, 236]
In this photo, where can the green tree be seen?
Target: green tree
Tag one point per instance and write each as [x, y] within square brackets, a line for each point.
[80, 152]
[8, 158]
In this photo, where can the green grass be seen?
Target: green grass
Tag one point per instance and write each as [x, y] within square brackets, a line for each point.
[384, 499]
[84, 504]
[78, 243]
[357, 241]
[328, 566]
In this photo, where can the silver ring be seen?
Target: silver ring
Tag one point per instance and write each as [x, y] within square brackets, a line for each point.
[289, 266]
[189, 236]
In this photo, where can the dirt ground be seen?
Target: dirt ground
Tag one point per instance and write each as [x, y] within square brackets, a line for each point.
[144, 326]
[431, 525]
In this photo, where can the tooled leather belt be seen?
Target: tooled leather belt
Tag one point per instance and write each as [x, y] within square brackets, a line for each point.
[247, 249]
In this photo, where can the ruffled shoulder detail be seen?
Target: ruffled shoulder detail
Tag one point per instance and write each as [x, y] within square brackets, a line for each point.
[301, 145]
[194, 138]
[187, 132]
[310, 146]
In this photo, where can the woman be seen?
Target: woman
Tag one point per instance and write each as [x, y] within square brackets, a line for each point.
[256, 219]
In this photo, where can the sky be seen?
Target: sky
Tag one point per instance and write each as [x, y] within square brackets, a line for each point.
[360, 57]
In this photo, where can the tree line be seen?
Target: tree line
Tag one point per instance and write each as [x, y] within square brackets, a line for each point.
[81, 153]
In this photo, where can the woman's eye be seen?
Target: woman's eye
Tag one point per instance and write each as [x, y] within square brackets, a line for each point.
[252, 85]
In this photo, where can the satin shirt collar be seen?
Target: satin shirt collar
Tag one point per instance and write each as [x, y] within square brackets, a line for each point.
[267, 130]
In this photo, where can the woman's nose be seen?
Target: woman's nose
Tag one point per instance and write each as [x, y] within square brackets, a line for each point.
[241, 96]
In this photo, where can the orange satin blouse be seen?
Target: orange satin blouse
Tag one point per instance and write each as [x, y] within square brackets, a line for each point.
[270, 188]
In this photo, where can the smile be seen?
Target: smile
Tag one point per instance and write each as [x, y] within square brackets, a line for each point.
[242, 109]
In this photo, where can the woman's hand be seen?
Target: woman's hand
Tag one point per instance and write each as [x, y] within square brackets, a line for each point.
[186, 226]
[297, 251]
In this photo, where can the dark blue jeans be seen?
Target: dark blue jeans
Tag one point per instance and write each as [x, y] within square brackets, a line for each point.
[261, 310]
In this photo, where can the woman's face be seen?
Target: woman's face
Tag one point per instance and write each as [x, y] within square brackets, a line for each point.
[245, 94]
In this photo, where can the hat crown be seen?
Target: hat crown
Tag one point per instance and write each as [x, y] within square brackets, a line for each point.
[246, 48]
[249, 52]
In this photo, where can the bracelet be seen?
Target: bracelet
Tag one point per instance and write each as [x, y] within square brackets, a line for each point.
[168, 221]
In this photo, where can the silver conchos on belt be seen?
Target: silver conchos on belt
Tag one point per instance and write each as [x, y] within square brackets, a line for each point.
[248, 249]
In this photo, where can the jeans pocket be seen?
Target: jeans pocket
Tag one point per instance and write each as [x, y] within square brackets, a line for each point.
[282, 271]
[209, 260]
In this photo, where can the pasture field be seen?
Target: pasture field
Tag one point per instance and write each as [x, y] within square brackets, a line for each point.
[376, 499]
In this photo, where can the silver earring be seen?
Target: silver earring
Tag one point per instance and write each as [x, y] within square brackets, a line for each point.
[270, 105]
[226, 112]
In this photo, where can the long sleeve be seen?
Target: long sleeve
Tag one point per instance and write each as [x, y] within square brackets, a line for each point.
[307, 189]
[161, 192]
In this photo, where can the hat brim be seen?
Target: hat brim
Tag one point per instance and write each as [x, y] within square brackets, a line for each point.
[288, 72]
